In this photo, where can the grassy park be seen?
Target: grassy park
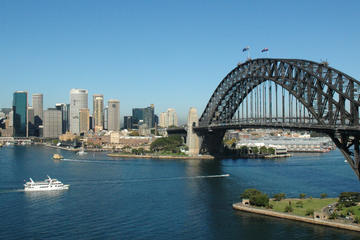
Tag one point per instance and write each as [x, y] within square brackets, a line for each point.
[301, 207]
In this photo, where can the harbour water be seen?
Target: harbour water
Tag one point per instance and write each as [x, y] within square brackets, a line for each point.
[160, 199]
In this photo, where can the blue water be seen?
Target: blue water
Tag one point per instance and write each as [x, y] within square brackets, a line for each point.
[160, 199]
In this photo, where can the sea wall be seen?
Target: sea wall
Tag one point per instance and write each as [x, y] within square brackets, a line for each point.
[241, 207]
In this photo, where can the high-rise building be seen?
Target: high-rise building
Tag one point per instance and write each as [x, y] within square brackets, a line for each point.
[128, 122]
[84, 116]
[113, 115]
[52, 127]
[20, 102]
[168, 118]
[37, 104]
[172, 117]
[145, 114]
[11, 118]
[78, 100]
[98, 111]
[163, 120]
[106, 110]
[64, 108]
[31, 121]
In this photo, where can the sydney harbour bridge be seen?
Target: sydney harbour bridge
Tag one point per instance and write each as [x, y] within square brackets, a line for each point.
[285, 94]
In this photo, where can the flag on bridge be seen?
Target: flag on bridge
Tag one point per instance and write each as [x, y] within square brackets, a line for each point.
[246, 49]
[265, 50]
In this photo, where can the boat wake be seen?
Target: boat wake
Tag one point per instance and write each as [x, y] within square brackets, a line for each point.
[11, 190]
[121, 181]
[84, 160]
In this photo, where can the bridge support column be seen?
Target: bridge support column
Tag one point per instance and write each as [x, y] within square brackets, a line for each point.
[344, 143]
[192, 139]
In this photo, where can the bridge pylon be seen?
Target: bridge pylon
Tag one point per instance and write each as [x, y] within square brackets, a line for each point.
[192, 139]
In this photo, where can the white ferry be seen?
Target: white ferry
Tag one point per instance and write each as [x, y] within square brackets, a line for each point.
[48, 184]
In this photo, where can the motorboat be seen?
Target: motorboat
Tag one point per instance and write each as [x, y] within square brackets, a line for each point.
[57, 156]
[48, 184]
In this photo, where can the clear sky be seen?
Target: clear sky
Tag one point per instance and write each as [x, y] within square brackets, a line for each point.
[169, 53]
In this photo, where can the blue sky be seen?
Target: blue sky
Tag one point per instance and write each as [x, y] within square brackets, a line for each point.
[169, 53]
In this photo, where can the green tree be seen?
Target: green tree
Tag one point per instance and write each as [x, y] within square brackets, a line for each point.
[254, 150]
[271, 150]
[302, 195]
[260, 200]
[349, 199]
[263, 150]
[279, 196]
[244, 149]
[134, 133]
[309, 212]
[288, 208]
[167, 144]
[323, 195]
[249, 192]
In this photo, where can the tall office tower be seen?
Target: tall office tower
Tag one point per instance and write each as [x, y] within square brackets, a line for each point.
[163, 120]
[11, 118]
[113, 115]
[52, 123]
[98, 112]
[31, 122]
[91, 122]
[64, 108]
[78, 100]
[106, 125]
[145, 114]
[20, 102]
[37, 103]
[128, 122]
[172, 117]
[84, 117]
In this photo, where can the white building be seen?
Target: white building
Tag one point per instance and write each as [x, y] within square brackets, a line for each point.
[78, 100]
[168, 118]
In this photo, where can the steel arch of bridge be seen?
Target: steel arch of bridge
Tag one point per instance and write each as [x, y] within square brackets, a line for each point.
[331, 96]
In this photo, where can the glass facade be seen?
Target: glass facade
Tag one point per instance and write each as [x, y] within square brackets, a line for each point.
[20, 114]
[145, 114]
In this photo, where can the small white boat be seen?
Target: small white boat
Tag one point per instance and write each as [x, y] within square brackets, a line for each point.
[345, 160]
[81, 152]
[48, 184]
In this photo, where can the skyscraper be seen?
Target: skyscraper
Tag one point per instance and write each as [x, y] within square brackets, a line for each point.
[163, 120]
[128, 122]
[145, 114]
[64, 108]
[172, 117]
[31, 121]
[113, 115]
[84, 119]
[78, 100]
[168, 118]
[52, 123]
[20, 102]
[37, 104]
[98, 111]
[106, 118]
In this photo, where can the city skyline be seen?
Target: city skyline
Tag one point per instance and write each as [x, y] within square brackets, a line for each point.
[168, 54]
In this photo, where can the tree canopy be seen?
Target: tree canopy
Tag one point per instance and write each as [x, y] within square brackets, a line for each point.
[167, 144]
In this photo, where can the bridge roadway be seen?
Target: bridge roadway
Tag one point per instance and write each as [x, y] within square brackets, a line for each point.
[329, 129]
